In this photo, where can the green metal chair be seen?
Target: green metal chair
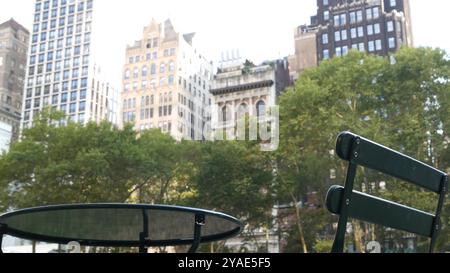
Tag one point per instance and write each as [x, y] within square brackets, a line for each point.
[347, 203]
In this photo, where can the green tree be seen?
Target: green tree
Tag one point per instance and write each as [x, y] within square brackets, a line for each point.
[400, 101]
[235, 178]
[70, 164]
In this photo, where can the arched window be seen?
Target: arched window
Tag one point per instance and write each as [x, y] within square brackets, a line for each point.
[144, 71]
[136, 72]
[162, 68]
[226, 114]
[243, 111]
[127, 74]
[153, 69]
[261, 109]
[171, 66]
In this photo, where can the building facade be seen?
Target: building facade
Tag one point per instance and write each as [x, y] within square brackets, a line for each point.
[166, 83]
[62, 70]
[305, 51]
[6, 132]
[378, 27]
[14, 39]
[246, 90]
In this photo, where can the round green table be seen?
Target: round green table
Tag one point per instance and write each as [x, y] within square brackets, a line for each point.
[120, 225]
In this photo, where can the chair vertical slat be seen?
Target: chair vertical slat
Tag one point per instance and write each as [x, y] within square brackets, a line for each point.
[359, 151]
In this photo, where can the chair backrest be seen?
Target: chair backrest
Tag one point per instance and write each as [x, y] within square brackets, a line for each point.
[347, 203]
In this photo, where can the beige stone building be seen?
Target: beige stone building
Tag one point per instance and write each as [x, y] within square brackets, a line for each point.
[247, 89]
[305, 51]
[166, 83]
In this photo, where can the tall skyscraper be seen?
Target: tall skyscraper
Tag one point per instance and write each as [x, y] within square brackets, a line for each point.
[375, 26]
[63, 69]
[166, 83]
[13, 59]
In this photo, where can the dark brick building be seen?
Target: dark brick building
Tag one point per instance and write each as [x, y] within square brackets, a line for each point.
[374, 26]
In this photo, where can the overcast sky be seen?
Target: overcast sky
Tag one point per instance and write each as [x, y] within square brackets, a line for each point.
[261, 29]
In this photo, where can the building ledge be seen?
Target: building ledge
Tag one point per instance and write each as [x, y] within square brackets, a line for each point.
[242, 87]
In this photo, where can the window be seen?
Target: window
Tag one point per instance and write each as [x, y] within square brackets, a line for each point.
[64, 97]
[361, 47]
[344, 50]
[325, 38]
[337, 36]
[74, 84]
[376, 12]
[378, 45]
[369, 29]
[371, 46]
[162, 68]
[391, 43]
[82, 106]
[353, 33]
[73, 96]
[226, 114]
[76, 61]
[83, 82]
[369, 15]
[376, 29]
[338, 52]
[153, 69]
[336, 20]
[136, 73]
[359, 16]
[360, 32]
[326, 15]
[343, 19]
[83, 94]
[352, 17]
[261, 109]
[73, 108]
[390, 26]
[393, 3]
[144, 71]
[344, 35]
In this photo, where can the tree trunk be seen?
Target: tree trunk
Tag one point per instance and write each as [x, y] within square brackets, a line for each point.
[358, 234]
[299, 225]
